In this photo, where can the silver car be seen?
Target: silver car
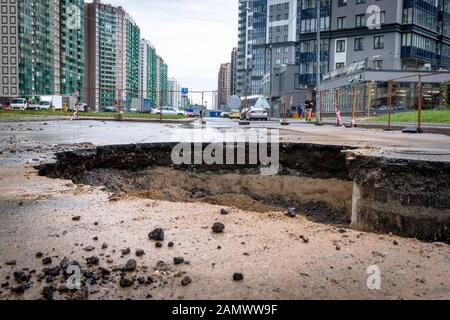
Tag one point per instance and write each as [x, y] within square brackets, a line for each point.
[254, 113]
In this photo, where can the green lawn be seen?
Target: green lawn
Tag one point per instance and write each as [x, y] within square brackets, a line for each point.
[428, 116]
[49, 113]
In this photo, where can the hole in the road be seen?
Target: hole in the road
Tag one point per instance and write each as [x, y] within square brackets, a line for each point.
[312, 179]
[321, 200]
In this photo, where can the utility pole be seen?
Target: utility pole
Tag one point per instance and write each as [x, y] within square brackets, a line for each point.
[318, 102]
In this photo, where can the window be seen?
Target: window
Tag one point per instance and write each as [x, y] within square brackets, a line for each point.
[360, 20]
[341, 22]
[359, 44]
[340, 45]
[378, 42]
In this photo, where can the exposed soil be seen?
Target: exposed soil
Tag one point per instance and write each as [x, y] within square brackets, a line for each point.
[321, 200]
[278, 256]
[101, 220]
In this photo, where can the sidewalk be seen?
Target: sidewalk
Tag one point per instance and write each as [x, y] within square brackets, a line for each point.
[426, 127]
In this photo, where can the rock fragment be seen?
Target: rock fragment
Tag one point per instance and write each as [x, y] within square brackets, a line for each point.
[157, 234]
[92, 261]
[131, 265]
[140, 253]
[125, 282]
[186, 281]
[47, 292]
[292, 212]
[218, 227]
[11, 262]
[238, 276]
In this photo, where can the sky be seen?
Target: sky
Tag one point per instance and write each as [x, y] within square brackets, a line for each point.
[193, 36]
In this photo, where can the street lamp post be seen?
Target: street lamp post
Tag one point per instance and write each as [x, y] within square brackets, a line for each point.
[318, 102]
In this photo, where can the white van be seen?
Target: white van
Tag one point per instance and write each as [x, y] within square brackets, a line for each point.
[19, 104]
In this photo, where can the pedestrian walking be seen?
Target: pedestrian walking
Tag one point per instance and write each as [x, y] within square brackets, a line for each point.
[309, 105]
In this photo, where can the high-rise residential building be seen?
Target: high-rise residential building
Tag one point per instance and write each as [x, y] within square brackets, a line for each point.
[396, 35]
[244, 49]
[70, 51]
[223, 85]
[214, 101]
[112, 57]
[162, 82]
[41, 48]
[266, 39]
[148, 71]
[174, 93]
[392, 35]
[233, 75]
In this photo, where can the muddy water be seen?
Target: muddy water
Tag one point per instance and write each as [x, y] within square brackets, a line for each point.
[324, 200]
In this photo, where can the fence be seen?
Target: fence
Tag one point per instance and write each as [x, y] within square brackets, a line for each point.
[396, 100]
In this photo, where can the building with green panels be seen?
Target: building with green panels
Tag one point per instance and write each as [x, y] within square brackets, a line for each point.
[148, 72]
[36, 48]
[112, 56]
[163, 82]
[133, 48]
[153, 81]
[71, 47]
[44, 51]
[101, 51]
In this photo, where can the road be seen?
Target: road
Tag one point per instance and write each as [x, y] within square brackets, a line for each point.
[394, 143]
[59, 219]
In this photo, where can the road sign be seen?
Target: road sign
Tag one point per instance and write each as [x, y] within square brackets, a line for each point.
[234, 103]
[184, 91]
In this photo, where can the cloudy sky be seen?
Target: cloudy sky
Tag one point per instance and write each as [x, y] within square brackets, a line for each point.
[193, 36]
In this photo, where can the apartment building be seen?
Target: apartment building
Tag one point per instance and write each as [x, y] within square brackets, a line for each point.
[390, 34]
[223, 85]
[174, 93]
[41, 47]
[162, 83]
[266, 40]
[148, 71]
[113, 48]
[233, 85]
[401, 35]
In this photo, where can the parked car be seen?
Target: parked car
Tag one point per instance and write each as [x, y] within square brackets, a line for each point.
[19, 104]
[82, 107]
[189, 114]
[235, 114]
[167, 111]
[133, 110]
[254, 113]
[225, 114]
[110, 109]
[5, 106]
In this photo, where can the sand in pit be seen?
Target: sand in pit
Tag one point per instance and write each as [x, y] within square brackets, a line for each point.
[327, 200]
